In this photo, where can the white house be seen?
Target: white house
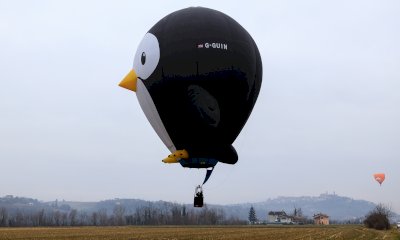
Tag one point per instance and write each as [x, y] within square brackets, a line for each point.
[279, 217]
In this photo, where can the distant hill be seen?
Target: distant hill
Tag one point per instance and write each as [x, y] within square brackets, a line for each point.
[12, 204]
[339, 208]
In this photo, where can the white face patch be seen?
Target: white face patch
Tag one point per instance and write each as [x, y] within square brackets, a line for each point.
[147, 56]
[145, 62]
[150, 110]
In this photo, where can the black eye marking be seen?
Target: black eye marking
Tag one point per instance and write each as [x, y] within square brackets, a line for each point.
[143, 58]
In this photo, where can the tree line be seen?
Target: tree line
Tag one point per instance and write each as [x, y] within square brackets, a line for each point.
[174, 214]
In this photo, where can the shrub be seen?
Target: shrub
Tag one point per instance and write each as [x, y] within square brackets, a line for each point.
[378, 218]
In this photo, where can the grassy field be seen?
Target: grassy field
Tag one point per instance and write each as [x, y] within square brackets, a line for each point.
[195, 232]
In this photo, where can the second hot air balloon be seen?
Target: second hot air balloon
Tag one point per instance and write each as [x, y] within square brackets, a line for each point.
[379, 177]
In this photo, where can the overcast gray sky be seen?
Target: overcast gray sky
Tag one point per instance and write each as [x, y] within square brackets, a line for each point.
[327, 117]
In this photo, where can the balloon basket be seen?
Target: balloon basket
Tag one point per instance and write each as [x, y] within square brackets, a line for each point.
[198, 197]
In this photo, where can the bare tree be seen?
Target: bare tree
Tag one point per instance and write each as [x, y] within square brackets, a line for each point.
[94, 219]
[176, 215]
[83, 218]
[19, 219]
[57, 218]
[3, 217]
[73, 217]
[41, 218]
[103, 218]
[119, 212]
[64, 219]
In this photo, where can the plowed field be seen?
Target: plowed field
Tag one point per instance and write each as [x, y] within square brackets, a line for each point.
[196, 232]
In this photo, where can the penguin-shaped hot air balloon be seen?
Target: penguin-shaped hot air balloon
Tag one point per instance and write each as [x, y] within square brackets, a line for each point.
[197, 74]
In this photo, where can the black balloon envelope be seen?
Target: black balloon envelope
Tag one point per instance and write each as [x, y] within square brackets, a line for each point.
[197, 74]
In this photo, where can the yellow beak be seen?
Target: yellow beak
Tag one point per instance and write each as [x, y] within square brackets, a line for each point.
[129, 81]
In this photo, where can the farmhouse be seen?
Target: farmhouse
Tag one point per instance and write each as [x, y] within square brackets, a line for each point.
[279, 217]
[321, 219]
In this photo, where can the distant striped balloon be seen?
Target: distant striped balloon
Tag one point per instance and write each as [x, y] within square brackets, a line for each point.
[379, 177]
